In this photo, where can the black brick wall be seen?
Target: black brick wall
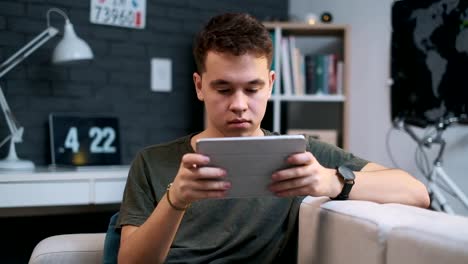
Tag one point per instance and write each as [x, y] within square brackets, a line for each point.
[117, 81]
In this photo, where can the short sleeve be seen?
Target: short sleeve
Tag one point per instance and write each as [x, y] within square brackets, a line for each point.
[331, 156]
[137, 203]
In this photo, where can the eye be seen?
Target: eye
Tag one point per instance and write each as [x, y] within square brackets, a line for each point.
[251, 90]
[222, 90]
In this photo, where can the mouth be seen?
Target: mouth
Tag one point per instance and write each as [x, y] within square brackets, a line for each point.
[238, 123]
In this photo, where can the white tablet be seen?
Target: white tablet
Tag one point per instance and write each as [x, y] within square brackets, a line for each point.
[250, 161]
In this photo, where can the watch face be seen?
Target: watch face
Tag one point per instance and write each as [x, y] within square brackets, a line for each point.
[346, 172]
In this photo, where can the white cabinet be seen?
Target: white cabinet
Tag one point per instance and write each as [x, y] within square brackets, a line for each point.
[63, 187]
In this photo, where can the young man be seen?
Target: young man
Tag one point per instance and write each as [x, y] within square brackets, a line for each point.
[168, 214]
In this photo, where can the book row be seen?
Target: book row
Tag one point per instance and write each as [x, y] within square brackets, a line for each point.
[309, 74]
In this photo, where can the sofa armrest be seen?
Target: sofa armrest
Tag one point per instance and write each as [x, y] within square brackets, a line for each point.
[308, 227]
[348, 232]
[427, 237]
[71, 248]
[342, 232]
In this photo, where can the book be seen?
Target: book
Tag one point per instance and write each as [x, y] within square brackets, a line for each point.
[272, 36]
[302, 69]
[325, 62]
[319, 75]
[309, 72]
[298, 72]
[274, 59]
[294, 54]
[332, 74]
[286, 67]
[339, 77]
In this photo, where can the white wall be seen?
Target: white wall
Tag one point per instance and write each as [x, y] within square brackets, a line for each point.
[369, 94]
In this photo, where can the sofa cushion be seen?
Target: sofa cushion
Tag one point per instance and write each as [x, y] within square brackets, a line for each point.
[70, 249]
[111, 242]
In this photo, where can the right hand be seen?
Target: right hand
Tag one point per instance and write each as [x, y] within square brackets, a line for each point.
[194, 181]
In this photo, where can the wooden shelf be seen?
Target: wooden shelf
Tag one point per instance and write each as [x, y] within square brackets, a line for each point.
[303, 29]
[309, 98]
[287, 110]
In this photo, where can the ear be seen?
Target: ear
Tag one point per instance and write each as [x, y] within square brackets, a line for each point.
[197, 81]
[271, 79]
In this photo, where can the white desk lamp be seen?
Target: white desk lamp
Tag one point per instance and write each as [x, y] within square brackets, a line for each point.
[70, 48]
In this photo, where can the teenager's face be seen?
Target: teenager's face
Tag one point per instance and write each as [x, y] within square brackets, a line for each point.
[235, 90]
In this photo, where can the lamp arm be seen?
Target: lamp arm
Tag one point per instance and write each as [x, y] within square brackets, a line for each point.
[34, 44]
[27, 50]
[16, 132]
[15, 129]
[53, 9]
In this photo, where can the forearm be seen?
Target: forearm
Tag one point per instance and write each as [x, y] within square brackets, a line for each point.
[389, 186]
[150, 243]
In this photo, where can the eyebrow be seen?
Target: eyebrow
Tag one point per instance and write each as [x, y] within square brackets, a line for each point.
[223, 82]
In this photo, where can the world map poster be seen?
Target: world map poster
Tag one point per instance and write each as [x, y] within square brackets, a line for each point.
[429, 60]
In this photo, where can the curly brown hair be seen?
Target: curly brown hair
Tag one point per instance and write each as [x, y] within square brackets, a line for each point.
[235, 33]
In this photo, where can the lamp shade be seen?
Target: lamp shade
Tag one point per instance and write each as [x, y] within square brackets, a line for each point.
[71, 47]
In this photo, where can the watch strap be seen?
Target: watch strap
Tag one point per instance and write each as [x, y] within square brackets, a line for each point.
[344, 194]
[348, 177]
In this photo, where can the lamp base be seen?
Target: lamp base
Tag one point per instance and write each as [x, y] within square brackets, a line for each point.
[13, 163]
[16, 165]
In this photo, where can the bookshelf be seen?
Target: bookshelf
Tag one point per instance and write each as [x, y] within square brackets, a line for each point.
[311, 101]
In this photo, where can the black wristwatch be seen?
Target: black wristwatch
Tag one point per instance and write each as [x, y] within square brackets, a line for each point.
[348, 176]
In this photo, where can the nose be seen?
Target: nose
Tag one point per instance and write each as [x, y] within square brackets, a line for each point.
[238, 102]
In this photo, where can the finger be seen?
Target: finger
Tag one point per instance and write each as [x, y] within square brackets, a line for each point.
[209, 185]
[211, 173]
[288, 184]
[194, 160]
[301, 159]
[193, 190]
[292, 192]
[289, 173]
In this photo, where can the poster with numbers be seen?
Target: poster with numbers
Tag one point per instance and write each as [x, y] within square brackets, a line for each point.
[119, 13]
[81, 140]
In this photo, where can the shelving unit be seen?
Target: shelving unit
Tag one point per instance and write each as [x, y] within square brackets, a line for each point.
[311, 111]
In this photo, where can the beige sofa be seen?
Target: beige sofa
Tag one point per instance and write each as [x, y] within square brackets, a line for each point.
[329, 232]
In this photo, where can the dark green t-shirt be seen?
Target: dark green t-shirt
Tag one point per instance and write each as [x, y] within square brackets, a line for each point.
[251, 230]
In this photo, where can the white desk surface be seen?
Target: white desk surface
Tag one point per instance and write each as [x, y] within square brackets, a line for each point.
[63, 186]
[65, 174]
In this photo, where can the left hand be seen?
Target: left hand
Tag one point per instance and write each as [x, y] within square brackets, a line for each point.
[306, 177]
